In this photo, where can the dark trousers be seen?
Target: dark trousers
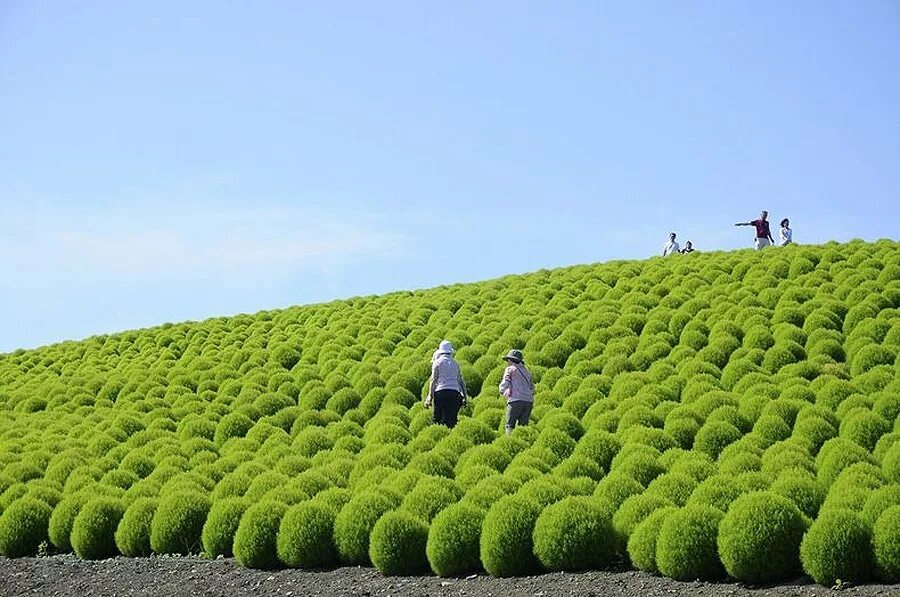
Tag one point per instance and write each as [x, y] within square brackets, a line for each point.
[446, 407]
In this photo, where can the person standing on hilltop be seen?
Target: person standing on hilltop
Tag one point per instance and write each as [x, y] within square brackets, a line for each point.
[518, 389]
[447, 390]
[688, 248]
[763, 235]
[785, 235]
[671, 247]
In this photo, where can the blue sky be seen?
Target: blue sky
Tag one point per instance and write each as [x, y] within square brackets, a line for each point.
[164, 161]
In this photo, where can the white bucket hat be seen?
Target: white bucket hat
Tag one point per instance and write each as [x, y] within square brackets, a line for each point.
[445, 347]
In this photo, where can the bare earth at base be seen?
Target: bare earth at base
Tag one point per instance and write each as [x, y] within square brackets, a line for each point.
[69, 576]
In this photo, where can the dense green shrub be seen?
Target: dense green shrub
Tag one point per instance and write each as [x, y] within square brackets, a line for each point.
[257, 533]
[759, 538]
[886, 544]
[837, 547]
[306, 536]
[397, 544]
[453, 540]
[506, 537]
[23, 526]
[132, 536]
[62, 519]
[686, 544]
[178, 523]
[221, 525]
[355, 521]
[574, 534]
[642, 542]
[94, 529]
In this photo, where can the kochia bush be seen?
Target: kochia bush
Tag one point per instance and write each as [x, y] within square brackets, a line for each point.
[838, 547]
[178, 523]
[23, 526]
[306, 536]
[759, 538]
[94, 529]
[255, 540]
[574, 534]
[453, 540]
[133, 533]
[506, 537]
[397, 544]
[686, 545]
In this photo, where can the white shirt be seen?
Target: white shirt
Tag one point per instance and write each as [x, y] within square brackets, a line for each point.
[670, 248]
[785, 235]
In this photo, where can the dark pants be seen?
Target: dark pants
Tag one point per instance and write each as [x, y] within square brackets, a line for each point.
[518, 412]
[446, 407]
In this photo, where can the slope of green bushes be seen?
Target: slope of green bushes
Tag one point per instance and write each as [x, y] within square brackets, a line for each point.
[699, 416]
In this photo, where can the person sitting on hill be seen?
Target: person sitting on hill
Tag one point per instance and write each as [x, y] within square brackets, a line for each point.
[763, 235]
[671, 247]
[447, 390]
[785, 235]
[688, 248]
[518, 389]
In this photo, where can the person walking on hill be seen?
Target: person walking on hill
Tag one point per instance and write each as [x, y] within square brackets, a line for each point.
[763, 235]
[688, 248]
[518, 389]
[785, 235]
[671, 247]
[447, 390]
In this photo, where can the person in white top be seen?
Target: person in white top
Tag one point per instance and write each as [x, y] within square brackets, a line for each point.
[447, 390]
[671, 247]
[517, 387]
[785, 234]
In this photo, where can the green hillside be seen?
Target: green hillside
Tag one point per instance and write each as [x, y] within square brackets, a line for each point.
[698, 416]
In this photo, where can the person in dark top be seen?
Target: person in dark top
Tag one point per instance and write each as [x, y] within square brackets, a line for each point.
[763, 235]
[688, 248]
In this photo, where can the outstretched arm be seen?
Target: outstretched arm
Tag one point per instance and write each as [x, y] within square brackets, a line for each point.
[744, 224]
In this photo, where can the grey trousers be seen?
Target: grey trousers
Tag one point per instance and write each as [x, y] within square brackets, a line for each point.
[517, 412]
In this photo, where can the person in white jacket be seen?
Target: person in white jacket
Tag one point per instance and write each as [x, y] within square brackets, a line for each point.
[671, 247]
[447, 390]
[785, 235]
[517, 387]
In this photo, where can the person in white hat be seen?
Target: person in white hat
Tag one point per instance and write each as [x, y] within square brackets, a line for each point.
[447, 390]
[518, 389]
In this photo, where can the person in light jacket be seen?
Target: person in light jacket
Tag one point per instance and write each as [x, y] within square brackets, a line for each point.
[447, 391]
[518, 389]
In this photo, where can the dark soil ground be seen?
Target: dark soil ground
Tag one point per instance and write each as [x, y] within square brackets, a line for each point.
[69, 576]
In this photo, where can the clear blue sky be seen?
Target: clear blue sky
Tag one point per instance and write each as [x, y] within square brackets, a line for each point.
[168, 160]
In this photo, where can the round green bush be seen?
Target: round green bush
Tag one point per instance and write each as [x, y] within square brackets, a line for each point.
[177, 526]
[257, 534]
[864, 428]
[804, 491]
[221, 526]
[430, 496]
[306, 536]
[676, 487]
[759, 538]
[355, 521]
[713, 437]
[642, 542]
[686, 545]
[506, 537]
[574, 534]
[397, 544]
[886, 545]
[453, 540]
[133, 533]
[23, 526]
[632, 512]
[94, 529]
[880, 500]
[62, 519]
[838, 546]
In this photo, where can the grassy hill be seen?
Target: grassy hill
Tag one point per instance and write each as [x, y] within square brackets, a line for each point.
[700, 415]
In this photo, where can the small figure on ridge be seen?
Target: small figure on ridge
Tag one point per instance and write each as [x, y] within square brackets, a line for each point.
[671, 247]
[763, 235]
[785, 234]
[688, 248]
